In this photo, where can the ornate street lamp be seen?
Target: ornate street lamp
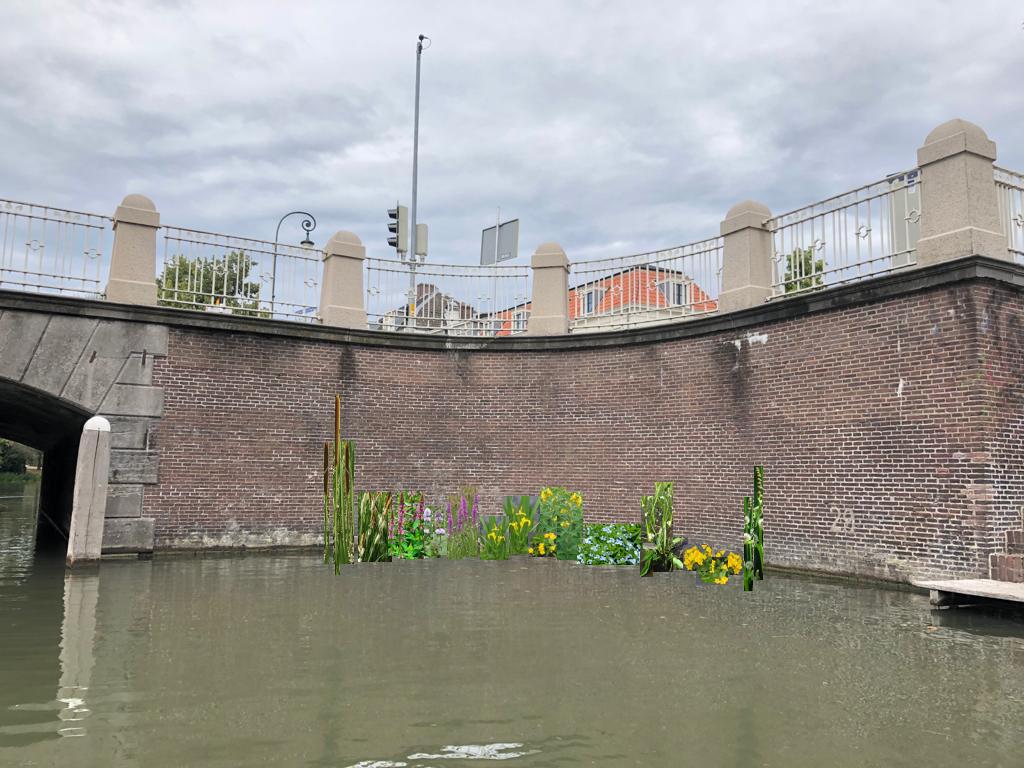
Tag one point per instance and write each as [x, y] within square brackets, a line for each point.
[308, 225]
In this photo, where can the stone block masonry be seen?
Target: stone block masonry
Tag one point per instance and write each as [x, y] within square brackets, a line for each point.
[886, 416]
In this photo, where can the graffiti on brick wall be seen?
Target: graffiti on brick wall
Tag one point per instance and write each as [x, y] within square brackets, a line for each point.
[842, 520]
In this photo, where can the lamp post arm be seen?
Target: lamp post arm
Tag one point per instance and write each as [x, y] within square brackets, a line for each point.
[308, 225]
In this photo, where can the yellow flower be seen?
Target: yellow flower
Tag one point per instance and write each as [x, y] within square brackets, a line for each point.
[565, 523]
[734, 562]
[546, 494]
[530, 550]
[576, 499]
[722, 580]
[540, 547]
[549, 535]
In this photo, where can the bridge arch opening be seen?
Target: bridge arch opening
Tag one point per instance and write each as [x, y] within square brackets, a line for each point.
[54, 426]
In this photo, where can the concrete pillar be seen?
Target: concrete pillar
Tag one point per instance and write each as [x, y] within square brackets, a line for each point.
[747, 273]
[89, 506]
[133, 259]
[959, 207]
[341, 294]
[549, 308]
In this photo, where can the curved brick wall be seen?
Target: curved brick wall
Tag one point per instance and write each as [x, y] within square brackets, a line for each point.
[885, 415]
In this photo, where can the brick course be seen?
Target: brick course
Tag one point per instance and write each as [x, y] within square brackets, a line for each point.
[890, 431]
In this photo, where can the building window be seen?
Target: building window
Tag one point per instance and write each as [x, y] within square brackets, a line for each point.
[589, 301]
[676, 292]
[519, 319]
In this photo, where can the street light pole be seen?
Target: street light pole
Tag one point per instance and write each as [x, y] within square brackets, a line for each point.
[308, 225]
[415, 171]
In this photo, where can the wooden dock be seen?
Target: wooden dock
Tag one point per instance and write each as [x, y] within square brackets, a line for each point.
[952, 592]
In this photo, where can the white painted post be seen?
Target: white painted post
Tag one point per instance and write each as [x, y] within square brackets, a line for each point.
[133, 258]
[341, 295]
[85, 538]
[959, 206]
[549, 309]
[747, 273]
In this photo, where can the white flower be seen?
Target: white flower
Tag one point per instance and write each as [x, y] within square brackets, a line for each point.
[439, 531]
[747, 537]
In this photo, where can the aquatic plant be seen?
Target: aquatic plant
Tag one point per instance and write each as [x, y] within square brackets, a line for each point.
[611, 544]
[659, 545]
[753, 533]
[495, 540]
[407, 535]
[339, 499]
[374, 518]
[712, 567]
[560, 512]
[545, 545]
[463, 533]
[327, 501]
[519, 514]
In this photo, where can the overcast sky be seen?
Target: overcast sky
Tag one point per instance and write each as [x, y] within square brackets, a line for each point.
[611, 127]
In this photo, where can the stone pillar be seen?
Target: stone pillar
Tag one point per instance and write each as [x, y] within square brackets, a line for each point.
[89, 505]
[341, 294]
[133, 258]
[747, 273]
[549, 308]
[959, 207]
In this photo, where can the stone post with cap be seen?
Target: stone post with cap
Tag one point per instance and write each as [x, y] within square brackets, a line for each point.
[959, 206]
[89, 503]
[747, 273]
[341, 294]
[133, 257]
[549, 309]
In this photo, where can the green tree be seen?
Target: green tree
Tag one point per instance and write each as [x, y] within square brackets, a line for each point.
[15, 456]
[193, 283]
[803, 271]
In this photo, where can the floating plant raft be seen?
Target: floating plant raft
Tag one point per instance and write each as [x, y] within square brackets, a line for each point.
[952, 592]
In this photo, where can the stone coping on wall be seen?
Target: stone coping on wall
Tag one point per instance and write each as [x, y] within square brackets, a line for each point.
[969, 268]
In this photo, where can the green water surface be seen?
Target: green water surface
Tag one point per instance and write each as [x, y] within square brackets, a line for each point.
[272, 660]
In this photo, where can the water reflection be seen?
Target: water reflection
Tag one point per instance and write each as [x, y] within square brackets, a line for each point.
[81, 593]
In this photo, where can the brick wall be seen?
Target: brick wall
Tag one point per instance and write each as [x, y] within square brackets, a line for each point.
[889, 430]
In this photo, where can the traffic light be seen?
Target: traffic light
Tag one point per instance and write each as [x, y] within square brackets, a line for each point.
[421, 240]
[398, 225]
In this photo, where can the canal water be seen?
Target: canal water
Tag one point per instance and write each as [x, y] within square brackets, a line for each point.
[272, 660]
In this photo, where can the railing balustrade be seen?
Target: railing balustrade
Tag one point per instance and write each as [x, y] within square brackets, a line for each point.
[1010, 194]
[447, 299]
[645, 288]
[52, 250]
[237, 275]
[868, 231]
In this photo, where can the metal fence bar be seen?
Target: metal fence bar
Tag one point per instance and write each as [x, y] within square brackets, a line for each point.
[646, 288]
[448, 299]
[237, 275]
[1010, 195]
[868, 231]
[52, 250]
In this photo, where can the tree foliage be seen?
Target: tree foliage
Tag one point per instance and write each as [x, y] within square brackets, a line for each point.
[803, 271]
[192, 283]
[15, 456]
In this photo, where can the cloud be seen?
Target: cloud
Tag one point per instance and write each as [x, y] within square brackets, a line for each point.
[611, 128]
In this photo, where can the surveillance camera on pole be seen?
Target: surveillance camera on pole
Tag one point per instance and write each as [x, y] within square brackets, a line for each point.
[398, 226]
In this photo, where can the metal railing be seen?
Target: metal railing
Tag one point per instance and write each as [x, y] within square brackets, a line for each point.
[1010, 193]
[51, 250]
[869, 231]
[238, 275]
[646, 288]
[451, 299]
